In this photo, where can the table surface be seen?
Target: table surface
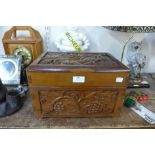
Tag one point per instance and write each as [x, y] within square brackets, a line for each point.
[127, 119]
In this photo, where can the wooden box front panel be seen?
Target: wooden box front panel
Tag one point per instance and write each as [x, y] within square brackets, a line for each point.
[75, 102]
[66, 79]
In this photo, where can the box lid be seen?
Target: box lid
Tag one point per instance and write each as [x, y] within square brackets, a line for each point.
[77, 62]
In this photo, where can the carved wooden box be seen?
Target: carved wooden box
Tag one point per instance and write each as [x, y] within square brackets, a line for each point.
[77, 84]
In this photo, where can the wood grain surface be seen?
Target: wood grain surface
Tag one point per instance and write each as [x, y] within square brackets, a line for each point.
[127, 119]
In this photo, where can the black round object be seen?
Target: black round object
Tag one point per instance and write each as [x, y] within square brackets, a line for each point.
[3, 91]
[12, 104]
[13, 98]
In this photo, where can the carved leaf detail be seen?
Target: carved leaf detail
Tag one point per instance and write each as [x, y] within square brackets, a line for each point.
[78, 59]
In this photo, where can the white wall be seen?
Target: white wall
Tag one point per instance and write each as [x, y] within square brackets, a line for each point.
[102, 40]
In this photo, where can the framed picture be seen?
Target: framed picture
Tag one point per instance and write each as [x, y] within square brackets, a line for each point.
[10, 69]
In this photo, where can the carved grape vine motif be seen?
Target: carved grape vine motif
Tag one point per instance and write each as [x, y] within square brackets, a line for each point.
[58, 107]
[77, 59]
[94, 108]
[75, 101]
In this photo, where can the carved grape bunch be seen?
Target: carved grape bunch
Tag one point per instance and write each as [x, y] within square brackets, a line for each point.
[94, 107]
[58, 107]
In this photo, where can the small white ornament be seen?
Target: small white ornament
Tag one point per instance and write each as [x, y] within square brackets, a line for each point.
[64, 44]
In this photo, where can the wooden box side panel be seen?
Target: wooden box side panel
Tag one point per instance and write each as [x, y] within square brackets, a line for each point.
[76, 102]
[6, 48]
[39, 47]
